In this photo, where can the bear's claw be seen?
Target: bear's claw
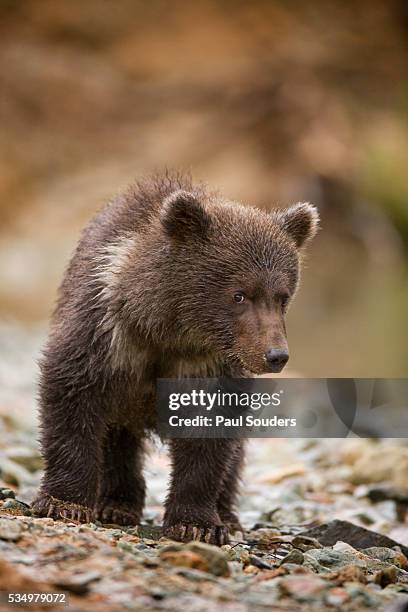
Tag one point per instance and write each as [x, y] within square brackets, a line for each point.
[120, 514]
[51, 507]
[215, 534]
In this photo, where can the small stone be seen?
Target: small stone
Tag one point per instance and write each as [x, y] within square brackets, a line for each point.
[45, 521]
[328, 557]
[348, 573]
[305, 543]
[362, 594]
[157, 593]
[374, 587]
[386, 576]
[258, 562]
[244, 557]
[149, 542]
[6, 493]
[337, 597]
[16, 507]
[197, 555]
[216, 559]
[194, 575]
[269, 538]
[388, 555]
[273, 573]
[294, 568]
[10, 530]
[164, 542]
[343, 547]
[184, 558]
[77, 583]
[295, 556]
[401, 601]
[231, 553]
[128, 547]
[303, 588]
[151, 562]
[114, 533]
[251, 569]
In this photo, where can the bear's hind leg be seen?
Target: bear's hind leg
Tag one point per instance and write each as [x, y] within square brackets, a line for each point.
[122, 488]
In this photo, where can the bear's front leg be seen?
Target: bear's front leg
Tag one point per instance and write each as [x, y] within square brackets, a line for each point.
[72, 434]
[199, 469]
[227, 500]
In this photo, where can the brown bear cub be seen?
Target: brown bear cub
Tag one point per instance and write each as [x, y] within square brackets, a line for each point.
[169, 280]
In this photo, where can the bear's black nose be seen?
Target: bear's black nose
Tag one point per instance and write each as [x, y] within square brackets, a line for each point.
[276, 359]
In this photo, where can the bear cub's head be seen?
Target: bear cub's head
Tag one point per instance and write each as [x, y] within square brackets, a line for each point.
[234, 270]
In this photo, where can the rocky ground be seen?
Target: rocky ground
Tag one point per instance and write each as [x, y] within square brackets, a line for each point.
[294, 555]
[326, 528]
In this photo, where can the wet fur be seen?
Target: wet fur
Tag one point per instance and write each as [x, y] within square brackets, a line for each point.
[141, 300]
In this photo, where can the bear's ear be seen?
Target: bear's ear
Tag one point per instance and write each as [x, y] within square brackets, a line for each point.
[300, 221]
[183, 215]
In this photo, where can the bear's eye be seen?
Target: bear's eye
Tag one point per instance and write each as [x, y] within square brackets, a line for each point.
[239, 297]
[284, 302]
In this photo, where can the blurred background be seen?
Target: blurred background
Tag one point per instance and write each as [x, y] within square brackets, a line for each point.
[271, 101]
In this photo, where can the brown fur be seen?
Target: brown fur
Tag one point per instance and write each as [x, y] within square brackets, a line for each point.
[150, 293]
